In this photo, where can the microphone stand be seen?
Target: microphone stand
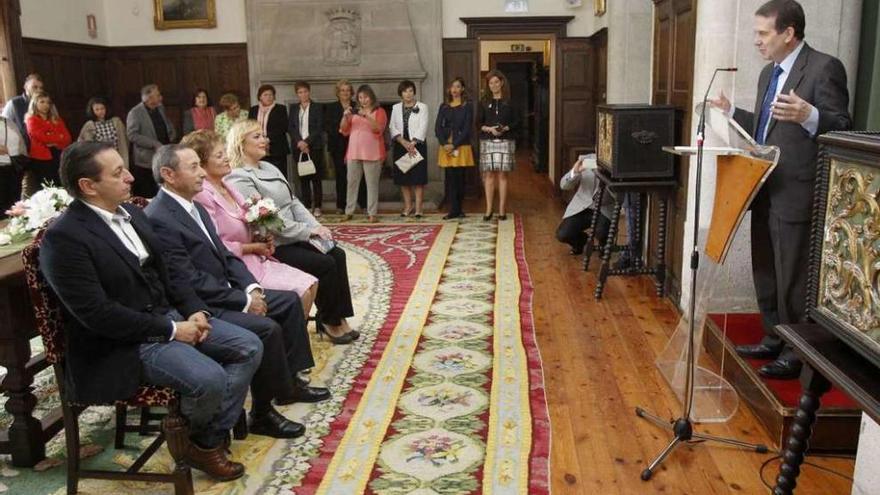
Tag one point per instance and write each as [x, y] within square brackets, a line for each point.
[683, 428]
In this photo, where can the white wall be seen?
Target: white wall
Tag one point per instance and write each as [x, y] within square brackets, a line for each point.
[866, 479]
[584, 23]
[63, 20]
[131, 23]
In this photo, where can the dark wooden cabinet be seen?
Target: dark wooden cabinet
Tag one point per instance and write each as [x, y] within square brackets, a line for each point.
[631, 139]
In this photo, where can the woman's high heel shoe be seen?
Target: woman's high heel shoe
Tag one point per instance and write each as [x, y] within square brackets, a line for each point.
[341, 340]
[488, 217]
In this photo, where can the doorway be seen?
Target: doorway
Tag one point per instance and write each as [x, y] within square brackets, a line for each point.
[528, 77]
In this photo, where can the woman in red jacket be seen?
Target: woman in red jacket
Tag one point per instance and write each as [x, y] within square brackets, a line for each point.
[48, 136]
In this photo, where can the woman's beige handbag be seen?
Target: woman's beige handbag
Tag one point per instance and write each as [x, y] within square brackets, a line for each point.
[305, 167]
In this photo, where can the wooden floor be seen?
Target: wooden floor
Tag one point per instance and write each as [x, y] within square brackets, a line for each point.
[598, 366]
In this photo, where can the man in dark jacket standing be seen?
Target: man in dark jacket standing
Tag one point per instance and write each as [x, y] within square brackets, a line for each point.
[14, 111]
[801, 94]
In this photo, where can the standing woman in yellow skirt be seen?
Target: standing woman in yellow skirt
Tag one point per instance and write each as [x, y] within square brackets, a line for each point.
[453, 130]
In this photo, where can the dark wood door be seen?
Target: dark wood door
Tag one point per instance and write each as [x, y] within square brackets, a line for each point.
[674, 38]
[461, 58]
[11, 52]
[576, 100]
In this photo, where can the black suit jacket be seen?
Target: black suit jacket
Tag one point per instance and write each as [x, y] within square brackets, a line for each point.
[820, 79]
[276, 129]
[316, 126]
[218, 277]
[108, 305]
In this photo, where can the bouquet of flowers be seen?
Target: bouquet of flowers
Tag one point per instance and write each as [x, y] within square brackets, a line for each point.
[261, 215]
[28, 216]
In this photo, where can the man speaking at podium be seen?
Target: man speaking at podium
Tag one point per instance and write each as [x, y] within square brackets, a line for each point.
[801, 94]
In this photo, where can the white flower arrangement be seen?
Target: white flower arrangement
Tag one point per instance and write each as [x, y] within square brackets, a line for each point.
[262, 216]
[30, 215]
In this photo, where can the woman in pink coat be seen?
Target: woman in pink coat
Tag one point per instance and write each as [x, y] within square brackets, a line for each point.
[226, 207]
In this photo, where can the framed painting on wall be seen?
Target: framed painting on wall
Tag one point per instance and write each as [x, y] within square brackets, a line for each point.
[183, 14]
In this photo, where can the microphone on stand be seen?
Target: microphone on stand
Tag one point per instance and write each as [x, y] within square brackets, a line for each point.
[701, 127]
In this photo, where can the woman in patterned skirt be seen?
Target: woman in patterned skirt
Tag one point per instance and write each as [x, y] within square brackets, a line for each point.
[104, 127]
[453, 130]
[498, 123]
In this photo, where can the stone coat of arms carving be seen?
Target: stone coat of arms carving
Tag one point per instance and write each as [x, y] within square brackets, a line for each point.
[342, 37]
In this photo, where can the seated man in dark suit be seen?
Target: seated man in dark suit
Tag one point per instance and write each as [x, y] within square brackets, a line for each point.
[125, 324]
[200, 260]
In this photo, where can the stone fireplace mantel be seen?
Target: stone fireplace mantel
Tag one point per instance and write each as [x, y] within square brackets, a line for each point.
[375, 42]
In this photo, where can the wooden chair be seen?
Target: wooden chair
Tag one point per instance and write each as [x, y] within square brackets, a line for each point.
[49, 318]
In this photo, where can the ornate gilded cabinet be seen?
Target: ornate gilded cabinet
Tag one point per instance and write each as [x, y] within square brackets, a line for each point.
[844, 289]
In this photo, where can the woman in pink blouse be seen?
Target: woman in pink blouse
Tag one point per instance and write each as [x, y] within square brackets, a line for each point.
[364, 127]
[226, 207]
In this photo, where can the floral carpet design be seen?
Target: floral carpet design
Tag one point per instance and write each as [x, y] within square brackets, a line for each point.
[442, 394]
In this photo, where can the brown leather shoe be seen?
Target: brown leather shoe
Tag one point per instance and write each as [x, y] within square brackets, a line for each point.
[214, 463]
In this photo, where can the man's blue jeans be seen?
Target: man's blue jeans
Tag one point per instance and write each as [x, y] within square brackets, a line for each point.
[213, 377]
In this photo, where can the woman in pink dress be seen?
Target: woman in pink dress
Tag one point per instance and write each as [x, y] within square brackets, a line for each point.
[226, 207]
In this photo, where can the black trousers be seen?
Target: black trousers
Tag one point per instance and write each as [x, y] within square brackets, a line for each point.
[780, 258]
[144, 185]
[46, 171]
[10, 187]
[286, 348]
[312, 191]
[572, 229]
[280, 163]
[334, 294]
[337, 154]
[455, 188]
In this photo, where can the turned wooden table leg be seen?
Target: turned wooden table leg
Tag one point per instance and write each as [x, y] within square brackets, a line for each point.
[606, 253]
[814, 385]
[660, 269]
[588, 247]
[25, 435]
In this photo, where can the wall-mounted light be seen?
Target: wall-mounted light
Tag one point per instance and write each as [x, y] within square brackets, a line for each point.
[92, 26]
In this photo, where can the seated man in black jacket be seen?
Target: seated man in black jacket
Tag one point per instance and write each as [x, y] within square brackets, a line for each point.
[126, 324]
[201, 261]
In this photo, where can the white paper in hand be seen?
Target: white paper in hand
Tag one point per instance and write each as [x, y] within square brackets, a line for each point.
[408, 161]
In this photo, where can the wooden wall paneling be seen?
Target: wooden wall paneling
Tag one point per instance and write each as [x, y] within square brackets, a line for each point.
[600, 42]
[196, 73]
[76, 72]
[230, 74]
[72, 73]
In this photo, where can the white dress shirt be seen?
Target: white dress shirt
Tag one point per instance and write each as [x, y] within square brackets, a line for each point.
[120, 224]
[811, 125]
[190, 208]
[10, 138]
[304, 121]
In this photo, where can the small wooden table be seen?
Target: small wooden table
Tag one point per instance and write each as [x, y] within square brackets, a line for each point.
[827, 360]
[664, 189]
[26, 437]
